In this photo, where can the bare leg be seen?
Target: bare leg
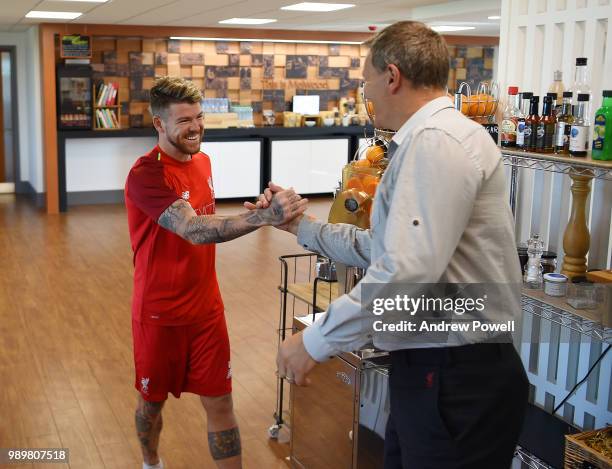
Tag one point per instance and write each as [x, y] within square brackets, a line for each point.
[223, 434]
[148, 426]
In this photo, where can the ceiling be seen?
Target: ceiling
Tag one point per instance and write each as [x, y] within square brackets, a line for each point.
[207, 13]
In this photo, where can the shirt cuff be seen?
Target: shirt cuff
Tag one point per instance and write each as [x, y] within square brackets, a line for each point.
[316, 345]
[308, 230]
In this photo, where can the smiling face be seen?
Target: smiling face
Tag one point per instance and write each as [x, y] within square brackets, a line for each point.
[181, 126]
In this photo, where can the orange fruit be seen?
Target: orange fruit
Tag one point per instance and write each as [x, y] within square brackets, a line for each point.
[375, 153]
[370, 183]
[365, 163]
[354, 183]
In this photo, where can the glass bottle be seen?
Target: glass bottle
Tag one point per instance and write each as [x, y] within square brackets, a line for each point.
[579, 134]
[564, 124]
[554, 98]
[531, 123]
[521, 140]
[558, 88]
[602, 131]
[581, 81]
[546, 127]
[510, 117]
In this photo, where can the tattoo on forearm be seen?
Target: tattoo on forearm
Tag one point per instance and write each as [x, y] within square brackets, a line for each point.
[149, 423]
[180, 218]
[224, 444]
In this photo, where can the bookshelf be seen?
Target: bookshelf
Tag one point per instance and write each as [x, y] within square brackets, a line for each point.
[106, 111]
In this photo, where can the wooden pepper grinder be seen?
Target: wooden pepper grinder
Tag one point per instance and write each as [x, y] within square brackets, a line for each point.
[577, 238]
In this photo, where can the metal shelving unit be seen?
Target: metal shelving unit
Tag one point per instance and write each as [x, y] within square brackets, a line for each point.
[567, 319]
[543, 307]
[555, 163]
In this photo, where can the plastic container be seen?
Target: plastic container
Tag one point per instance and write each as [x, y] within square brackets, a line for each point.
[555, 284]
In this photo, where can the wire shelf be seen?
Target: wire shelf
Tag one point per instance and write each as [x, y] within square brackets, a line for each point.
[529, 459]
[564, 318]
[559, 164]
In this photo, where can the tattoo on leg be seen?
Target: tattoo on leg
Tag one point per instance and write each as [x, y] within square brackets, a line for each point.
[224, 444]
[149, 423]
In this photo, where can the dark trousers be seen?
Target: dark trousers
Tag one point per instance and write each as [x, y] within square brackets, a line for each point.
[455, 408]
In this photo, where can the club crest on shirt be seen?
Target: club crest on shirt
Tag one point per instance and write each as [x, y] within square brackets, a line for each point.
[144, 385]
[185, 195]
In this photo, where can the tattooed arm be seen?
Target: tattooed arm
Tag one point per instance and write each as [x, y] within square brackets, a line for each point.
[180, 218]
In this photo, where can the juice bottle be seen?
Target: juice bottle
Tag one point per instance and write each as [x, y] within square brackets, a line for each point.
[602, 132]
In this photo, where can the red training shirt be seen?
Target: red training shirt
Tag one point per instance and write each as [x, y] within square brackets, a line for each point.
[175, 282]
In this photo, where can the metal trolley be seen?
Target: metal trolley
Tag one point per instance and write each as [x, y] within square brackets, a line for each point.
[308, 278]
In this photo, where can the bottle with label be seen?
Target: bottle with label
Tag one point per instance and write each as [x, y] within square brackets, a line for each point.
[579, 134]
[564, 124]
[510, 118]
[521, 140]
[531, 123]
[554, 98]
[546, 128]
[602, 132]
[558, 88]
[581, 82]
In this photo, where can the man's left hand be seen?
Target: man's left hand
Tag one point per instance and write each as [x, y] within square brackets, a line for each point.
[293, 361]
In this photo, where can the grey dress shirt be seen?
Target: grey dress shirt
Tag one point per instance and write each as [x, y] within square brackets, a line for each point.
[440, 214]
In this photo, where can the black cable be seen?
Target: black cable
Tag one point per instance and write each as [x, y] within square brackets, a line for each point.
[583, 379]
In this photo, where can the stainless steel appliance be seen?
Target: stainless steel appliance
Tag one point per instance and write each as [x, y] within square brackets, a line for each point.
[339, 420]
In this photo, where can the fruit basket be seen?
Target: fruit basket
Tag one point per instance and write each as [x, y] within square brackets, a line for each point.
[480, 106]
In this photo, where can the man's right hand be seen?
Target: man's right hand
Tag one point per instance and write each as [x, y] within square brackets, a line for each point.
[264, 201]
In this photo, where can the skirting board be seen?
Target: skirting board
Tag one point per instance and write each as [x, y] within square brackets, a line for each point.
[95, 197]
[25, 188]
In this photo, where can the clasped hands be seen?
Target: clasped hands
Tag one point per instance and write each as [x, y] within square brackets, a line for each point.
[292, 205]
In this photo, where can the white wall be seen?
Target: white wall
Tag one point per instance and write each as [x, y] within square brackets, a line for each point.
[30, 108]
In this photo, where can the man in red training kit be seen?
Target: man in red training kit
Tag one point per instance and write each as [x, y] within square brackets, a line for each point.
[178, 322]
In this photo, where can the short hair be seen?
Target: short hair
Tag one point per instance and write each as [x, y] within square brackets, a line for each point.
[420, 53]
[170, 90]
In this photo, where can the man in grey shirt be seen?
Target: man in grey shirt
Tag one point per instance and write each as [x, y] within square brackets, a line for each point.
[440, 215]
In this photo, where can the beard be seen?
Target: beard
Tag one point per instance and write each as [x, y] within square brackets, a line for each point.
[184, 146]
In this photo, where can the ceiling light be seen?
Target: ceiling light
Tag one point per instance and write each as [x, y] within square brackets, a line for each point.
[310, 6]
[494, 17]
[55, 15]
[247, 21]
[448, 29]
[242, 39]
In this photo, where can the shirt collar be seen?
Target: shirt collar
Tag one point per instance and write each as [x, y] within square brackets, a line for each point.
[428, 110]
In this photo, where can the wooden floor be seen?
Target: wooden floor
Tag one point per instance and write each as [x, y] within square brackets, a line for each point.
[66, 369]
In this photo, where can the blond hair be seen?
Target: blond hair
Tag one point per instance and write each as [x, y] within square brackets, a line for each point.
[170, 90]
[419, 52]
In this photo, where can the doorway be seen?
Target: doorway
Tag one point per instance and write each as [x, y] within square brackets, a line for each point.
[9, 161]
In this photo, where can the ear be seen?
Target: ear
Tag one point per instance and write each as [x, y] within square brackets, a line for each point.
[394, 78]
[158, 124]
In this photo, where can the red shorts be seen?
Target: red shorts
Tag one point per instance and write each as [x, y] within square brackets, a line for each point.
[193, 358]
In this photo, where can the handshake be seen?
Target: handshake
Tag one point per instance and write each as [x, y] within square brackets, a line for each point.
[279, 207]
